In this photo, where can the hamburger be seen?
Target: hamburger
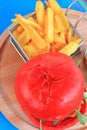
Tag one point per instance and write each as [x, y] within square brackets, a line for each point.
[51, 91]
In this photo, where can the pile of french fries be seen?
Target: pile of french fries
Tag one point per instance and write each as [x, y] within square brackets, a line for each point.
[48, 31]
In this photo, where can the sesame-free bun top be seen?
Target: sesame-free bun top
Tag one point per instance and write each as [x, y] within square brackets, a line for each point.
[49, 86]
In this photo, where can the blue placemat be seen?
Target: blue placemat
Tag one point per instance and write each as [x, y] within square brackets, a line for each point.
[8, 9]
[5, 124]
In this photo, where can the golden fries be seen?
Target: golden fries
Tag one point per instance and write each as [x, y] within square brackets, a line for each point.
[57, 46]
[59, 39]
[30, 22]
[40, 12]
[24, 38]
[57, 25]
[62, 35]
[49, 25]
[75, 39]
[64, 26]
[55, 6]
[16, 34]
[68, 35]
[36, 38]
[20, 29]
[31, 50]
[58, 43]
[48, 31]
[58, 11]
[30, 19]
[65, 21]
[70, 48]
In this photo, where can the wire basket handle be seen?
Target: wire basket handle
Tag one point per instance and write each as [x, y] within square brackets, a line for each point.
[80, 18]
[66, 12]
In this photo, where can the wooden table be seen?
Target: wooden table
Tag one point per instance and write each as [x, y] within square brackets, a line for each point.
[10, 62]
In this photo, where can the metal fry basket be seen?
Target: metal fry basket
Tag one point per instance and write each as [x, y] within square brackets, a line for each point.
[19, 48]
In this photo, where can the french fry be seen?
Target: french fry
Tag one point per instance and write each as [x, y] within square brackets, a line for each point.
[68, 35]
[62, 35]
[76, 39]
[16, 34]
[38, 30]
[20, 29]
[31, 50]
[40, 12]
[58, 43]
[69, 48]
[57, 24]
[41, 33]
[58, 11]
[57, 46]
[63, 25]
[49, 25]
[55, 6]
[29, 22]
[65, 21]
[36, 38]
[24, 38]
[48, 31]
[59, 39]
[30, 19]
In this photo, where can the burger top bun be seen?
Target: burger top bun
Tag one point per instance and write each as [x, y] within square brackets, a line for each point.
[49, 86]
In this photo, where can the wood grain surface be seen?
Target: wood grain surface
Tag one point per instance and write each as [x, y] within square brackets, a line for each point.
[10, 62]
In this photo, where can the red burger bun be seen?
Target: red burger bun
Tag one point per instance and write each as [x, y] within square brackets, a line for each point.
[49, 86]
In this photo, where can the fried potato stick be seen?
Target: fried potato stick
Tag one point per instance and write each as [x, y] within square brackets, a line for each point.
[69, 48]
[24, 38]
[49, 25]
[36, 38]
[40, 12]
[55, 6]
[30, 22]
